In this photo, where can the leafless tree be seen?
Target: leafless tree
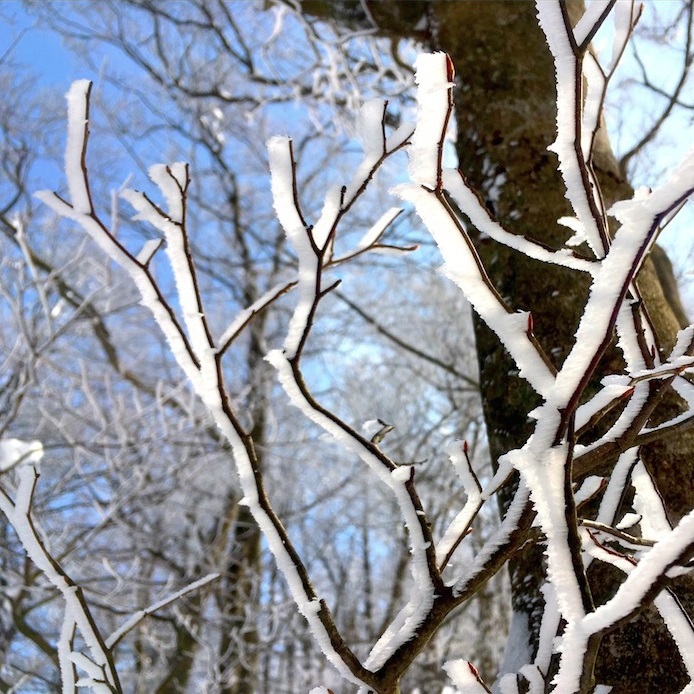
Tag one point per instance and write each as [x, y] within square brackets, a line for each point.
[560, 493]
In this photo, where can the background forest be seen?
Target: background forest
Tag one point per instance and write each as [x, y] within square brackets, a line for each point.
[138, 499]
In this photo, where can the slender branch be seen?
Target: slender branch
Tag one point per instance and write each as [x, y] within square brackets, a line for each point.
[407, 346]
[590, 34]
[619, 534]
[673, 98]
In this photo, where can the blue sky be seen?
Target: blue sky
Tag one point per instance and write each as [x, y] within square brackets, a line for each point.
[23, 42]
[39, 48]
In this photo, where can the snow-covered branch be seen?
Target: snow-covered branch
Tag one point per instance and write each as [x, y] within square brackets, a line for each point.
[577, 486]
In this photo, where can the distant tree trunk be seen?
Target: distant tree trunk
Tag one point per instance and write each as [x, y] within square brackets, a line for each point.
[240, 639]
[181, 664]
[506, 117]
[240, 592]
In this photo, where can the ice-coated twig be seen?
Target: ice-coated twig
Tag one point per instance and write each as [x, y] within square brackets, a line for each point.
[675, 617]
[65, 647]
[136, 618]
[649, 504]
[595, 92]
[548, 467]
[245, 316]
[311, 245]
[434, 78]
[467, 199]
[173, 181]
[462, 263]
[597, 79]
[608, 397]
[636, 397]
[549, 627]
[461, 524]
[465, 677]
[544, 472]
[644, 582]
[371, 130]
[299, 234]
[625, 538]
[75, 146]
[498, 542]
[546, 461]
[635, 337]
[640, 220]
[373, 235]
[196, 351]
[581, 184]
[612, 498]
[542, 462]
[80, 210]
[591, 21]
[201, 369]
[77, 612]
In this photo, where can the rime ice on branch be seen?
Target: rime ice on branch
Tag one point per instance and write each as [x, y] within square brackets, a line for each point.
[545, 500]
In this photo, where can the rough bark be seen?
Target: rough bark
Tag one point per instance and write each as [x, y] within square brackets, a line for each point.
[505, 111]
